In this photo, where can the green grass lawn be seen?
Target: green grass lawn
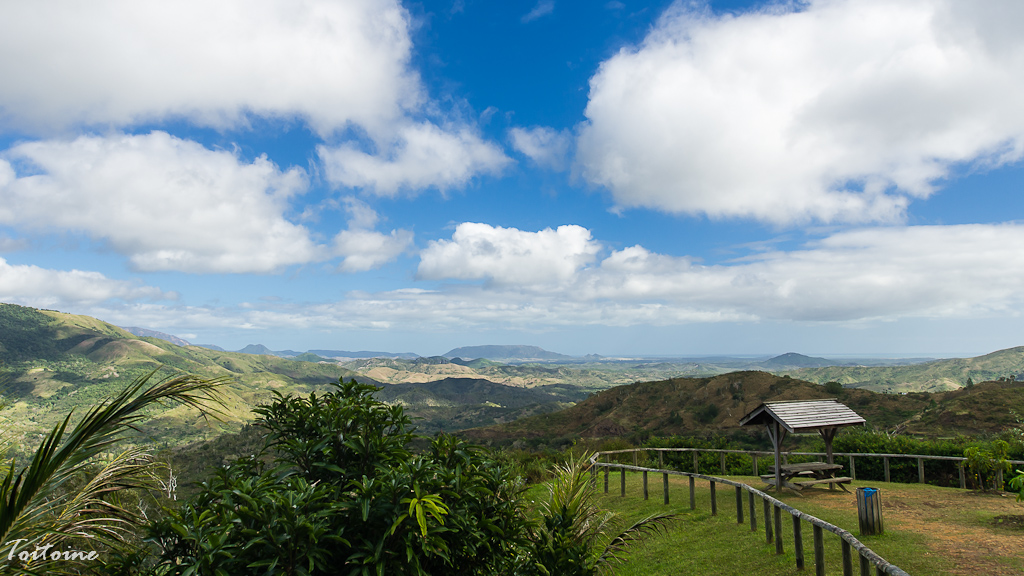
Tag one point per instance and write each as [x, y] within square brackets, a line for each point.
[700, 543]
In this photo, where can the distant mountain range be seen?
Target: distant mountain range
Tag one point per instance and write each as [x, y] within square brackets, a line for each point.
[794, 360]
[515, 352]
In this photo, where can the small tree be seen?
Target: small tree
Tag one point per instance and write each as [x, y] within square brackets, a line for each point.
[834, 388]
[985, 464]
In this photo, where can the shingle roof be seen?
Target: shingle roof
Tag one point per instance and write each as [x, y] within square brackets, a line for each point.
[805, 415]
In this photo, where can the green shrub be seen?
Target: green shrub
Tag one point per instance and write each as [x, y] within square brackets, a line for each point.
[348, 496]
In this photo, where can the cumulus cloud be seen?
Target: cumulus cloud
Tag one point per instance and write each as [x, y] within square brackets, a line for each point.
[865, 274]
[858, 276]
[545, 146]
[422, 155]
[833, 110]
[364, 248]
[47, 288]
[166, 203]
[120, 62]
[509, 257]
[921, 271]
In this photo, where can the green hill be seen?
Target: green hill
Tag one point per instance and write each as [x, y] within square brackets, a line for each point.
[54, 363]
[459, 403]
[699, 405]
[935, 376]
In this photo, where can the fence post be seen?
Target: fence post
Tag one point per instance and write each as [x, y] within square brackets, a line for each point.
[920, 470]
[886, 460]
[853, 469]
[847, 559]
[605, 479]
[664, 481]
[865, 566]
[693, 498]
[819, 551]
[753, 515]
[723, 462]
[661, 459]
[778, 530]
[963, 479]
[767, 521]
[645, 484]
[739, 505]
[634, 457]
[714, 500]
[622, 481]
[756, 471]
[798, 542]
[696, 462]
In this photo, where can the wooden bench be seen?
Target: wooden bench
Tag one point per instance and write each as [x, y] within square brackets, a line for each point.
[839, 480]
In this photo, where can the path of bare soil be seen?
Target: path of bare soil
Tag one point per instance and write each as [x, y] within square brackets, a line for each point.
[982, 533]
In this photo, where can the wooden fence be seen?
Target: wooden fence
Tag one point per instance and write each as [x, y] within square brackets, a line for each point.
[756, 455]
[772, 518]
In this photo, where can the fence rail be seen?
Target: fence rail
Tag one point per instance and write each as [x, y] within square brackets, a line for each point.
[772, 517]
[756, 455]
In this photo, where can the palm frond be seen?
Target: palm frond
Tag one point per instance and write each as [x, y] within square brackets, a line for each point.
[32, 503]
[649, 526]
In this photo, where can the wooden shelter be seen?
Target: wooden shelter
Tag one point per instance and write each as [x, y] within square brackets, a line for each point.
[802, 416]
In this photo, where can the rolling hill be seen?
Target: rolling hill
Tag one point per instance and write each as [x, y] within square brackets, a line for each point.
[698, 405]
[934, 376]
[52, 363]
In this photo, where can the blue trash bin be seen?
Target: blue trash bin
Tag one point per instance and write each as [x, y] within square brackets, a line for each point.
[869, 511]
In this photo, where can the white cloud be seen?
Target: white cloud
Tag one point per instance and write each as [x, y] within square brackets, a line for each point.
[853, 278]
[883, 273]
[509, 257]
[46, 288]
[921, 271]
[833, 110]
[422, 155]
[543, 8]
[121, 62]
[362, 247]
[545, 146]
[166, 203]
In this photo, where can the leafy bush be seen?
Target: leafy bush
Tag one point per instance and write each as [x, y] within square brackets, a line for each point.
[706, 414]
[348, 496]
[985, 464]
[833, 387]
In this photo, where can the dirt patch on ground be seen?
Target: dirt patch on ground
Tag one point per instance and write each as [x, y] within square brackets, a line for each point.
[1016, 522]
[982, 533]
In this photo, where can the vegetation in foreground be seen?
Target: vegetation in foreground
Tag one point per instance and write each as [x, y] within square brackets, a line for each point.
[335, 489]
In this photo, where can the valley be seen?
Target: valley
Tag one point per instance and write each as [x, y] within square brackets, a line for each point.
[54, 364]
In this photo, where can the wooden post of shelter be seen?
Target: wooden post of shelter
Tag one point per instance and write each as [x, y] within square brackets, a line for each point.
[822, 416]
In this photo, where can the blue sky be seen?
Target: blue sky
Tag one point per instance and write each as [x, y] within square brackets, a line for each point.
[622, 178]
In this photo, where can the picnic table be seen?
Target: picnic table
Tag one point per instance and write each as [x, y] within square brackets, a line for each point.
[797, 477]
